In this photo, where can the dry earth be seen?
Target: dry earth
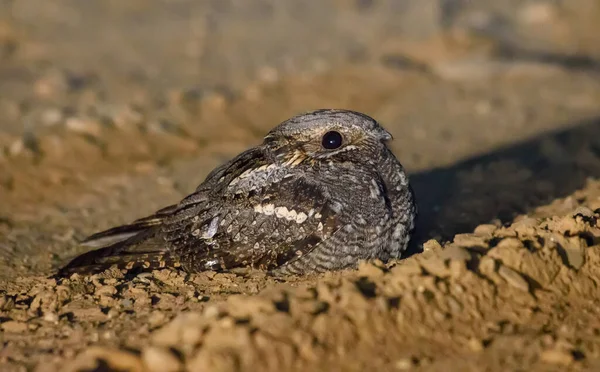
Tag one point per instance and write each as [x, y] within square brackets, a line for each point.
[502, 141]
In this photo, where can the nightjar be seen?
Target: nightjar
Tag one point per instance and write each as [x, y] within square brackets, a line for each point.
[322, 192]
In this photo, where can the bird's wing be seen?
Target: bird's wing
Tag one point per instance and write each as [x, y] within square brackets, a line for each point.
[230, 170]
[263, 223]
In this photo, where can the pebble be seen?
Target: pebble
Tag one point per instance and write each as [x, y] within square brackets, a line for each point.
[115, 359]
[431, 245]
[456, 253]
[475, 345]
[513, 278]
[485, 229]
[106, 290]
[554, 356]
[158, 359]
[369, 270]
[575, 257]
[404, 364]
[16, 147]
[51, 117]
[470, 240]
[13, 326]
[51, 317]
[83, 126]
[584, 211]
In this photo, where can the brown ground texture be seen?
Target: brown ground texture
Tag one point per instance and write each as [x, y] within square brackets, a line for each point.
[502, 142]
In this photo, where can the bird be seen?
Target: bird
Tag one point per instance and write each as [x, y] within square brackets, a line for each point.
[322, 192]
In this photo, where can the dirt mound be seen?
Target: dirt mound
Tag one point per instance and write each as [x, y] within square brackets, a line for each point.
[497, 297]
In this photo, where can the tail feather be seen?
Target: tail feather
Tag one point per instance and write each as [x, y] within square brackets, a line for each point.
[143, 249]
[120, 233]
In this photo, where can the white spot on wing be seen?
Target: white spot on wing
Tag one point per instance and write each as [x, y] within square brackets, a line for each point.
[212, 229]
[269, 209]
[283, 212]
[374, 190]
[211, 263]
[301, 217]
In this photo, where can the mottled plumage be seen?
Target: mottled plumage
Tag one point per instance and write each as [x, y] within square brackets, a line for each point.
[321, 192]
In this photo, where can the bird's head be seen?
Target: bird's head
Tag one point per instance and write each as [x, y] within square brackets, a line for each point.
[328, 136]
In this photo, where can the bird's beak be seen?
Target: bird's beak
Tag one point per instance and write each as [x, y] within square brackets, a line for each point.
[384, 135]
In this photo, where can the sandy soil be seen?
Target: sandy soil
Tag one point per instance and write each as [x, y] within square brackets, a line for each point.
[500, 131]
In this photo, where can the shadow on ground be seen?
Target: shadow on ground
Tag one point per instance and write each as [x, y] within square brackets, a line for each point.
[505, 182]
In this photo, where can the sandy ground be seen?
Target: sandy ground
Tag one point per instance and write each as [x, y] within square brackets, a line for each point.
[495, 112]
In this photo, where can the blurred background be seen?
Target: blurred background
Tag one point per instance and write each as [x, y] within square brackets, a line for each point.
[110, 109]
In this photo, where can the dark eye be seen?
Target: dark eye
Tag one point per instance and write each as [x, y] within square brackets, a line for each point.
[332, 140]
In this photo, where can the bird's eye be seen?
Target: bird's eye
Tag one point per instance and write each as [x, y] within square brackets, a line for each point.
[332, 140]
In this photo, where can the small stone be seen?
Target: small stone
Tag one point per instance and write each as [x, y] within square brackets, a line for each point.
[13, 326]
[485, 230]
[156, 319]
[554, 356]
[51, 117]
[158, 359]
[513, 278]
[431, 245]
[455, 252]
[106, 290]
[16, 147]
[525, 226]
[369, 270]
[584, 211]
[469, 240]
[83, 126]
[404, 364]
[575, 257]
[51, 317]
[114, 359]
[510, 243]
[475, 345]
[89, 314]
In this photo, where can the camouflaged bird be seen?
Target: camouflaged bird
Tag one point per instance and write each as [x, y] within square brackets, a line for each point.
[322, 192]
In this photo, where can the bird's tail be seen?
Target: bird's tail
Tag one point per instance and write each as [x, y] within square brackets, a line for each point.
[131, 247]
[98, 260]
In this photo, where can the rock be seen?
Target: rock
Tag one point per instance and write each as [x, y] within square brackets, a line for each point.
[455, 252]
[431, 245]
[554, 356]
[13, 326]
[369, 270]
[404, 364]
[575, 257]
[83, 126]
[51, 317]
[51, 117]
[158, 359]
[114, 359]
[475, 345]
[106, 290]
[470, 240]
[485, 229]
[513, 278]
